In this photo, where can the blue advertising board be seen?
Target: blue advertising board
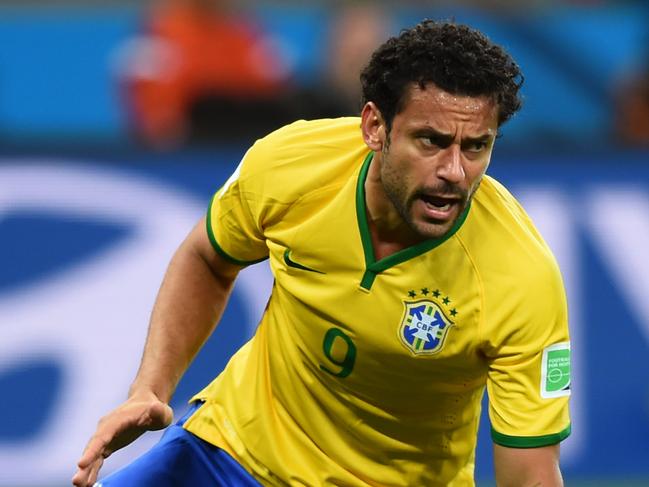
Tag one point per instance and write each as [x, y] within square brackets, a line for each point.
[84, 245]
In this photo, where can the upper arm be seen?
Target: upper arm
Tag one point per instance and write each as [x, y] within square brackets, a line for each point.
[528, 362]
[234, 219]
[523, 467]
[528, 358]
[199, 243]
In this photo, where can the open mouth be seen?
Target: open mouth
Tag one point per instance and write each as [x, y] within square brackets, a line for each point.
[440, 209]
[439, 203]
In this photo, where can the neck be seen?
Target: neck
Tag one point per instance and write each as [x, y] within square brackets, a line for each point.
[389, 232]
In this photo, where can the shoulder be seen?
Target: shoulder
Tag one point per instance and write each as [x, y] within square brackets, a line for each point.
[523, 293]
[305, 162]
[501, 222]
[311, 134]
[494, 200]
[302, 156]
[505, 243]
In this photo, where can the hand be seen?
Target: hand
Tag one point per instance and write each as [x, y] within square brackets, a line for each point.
[117, 429]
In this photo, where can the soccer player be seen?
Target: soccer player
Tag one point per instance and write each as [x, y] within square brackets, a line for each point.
[406, 281]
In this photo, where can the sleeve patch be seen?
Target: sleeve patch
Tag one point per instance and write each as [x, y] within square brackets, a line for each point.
[555, 371]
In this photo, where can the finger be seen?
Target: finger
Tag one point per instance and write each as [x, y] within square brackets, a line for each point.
[81, 477]
[78, 479]
[94, 451]
[87, 477]
[94, 472]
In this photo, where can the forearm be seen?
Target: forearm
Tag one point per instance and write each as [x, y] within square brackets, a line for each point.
[190, 302]
[531, 467]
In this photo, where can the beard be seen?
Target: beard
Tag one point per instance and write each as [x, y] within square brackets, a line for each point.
[396, 186]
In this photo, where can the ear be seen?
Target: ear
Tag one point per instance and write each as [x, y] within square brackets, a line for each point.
[373, 127]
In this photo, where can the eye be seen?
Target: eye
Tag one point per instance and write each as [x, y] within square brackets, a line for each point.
[428, 141]
[476, 146]
[435, 141]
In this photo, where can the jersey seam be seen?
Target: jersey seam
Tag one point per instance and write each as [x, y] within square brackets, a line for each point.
[286, 204]
[481, 320]
[330, 186]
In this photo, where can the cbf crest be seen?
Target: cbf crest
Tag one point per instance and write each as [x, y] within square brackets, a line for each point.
[425, 324]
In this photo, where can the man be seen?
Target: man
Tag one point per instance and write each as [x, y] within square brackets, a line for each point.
[405, 280]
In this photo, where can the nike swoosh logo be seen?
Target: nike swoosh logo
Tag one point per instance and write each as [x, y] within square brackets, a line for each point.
[291, 263]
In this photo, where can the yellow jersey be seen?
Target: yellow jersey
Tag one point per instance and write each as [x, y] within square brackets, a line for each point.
[366, 372]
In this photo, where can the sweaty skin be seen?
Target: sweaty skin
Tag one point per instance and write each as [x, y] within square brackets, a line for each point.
[428, 166]
[190, 302]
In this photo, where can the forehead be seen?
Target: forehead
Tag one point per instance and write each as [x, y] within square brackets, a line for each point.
[444, 111]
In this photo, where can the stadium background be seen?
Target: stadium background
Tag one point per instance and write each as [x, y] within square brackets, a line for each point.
[89, 219]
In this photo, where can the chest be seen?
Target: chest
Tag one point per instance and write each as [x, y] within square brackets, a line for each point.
[405, 322]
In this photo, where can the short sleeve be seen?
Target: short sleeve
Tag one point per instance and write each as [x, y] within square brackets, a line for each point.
[529, 366]
[232, 224]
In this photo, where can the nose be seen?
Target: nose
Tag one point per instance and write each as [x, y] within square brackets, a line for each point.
[450, 167]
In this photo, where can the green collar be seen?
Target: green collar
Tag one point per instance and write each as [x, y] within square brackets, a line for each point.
[374, 267]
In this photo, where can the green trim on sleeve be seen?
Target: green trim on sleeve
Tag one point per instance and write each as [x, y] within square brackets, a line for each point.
[529, 441]
[216, 245]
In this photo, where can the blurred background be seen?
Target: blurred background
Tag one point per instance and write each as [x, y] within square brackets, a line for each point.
[119, 119]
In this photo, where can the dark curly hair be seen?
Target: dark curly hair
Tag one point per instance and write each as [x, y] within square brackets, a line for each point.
[453, 57]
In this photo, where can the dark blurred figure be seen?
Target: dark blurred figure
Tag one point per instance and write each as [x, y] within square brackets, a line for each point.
[201, 73]
[355, 32]
[631, 99]
[632, 106]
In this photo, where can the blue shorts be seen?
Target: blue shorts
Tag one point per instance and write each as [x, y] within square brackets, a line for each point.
[181, 459]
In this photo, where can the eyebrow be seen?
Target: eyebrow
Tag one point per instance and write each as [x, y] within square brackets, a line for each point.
[445, 140]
